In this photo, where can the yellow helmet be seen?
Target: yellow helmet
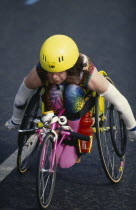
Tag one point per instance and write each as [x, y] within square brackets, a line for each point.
[58, 53]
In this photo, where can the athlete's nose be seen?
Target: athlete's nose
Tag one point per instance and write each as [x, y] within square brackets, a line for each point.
[54, 75]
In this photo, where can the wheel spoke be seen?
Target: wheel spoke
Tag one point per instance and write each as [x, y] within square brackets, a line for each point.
[46, 174]
[44, 186]
[29, 146]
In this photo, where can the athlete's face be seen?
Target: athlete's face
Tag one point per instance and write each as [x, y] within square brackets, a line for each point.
[57, 78]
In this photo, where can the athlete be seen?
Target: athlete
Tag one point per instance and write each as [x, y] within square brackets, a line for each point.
[69, 77]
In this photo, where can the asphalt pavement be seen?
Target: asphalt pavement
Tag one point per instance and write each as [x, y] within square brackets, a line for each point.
[105, 30]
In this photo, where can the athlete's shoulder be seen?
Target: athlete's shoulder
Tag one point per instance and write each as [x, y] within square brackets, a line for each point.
[88, 65]
[88, 69]
[39, 68]
[42, 74]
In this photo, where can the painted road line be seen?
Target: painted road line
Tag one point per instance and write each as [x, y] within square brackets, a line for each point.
[30, 2]
[8, 165]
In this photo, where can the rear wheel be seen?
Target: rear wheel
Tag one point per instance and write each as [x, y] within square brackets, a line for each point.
[106, 134]
[28, 143]
[46, 171]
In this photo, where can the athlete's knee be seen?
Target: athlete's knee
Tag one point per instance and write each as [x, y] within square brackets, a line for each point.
[55, 98]
[73, 98]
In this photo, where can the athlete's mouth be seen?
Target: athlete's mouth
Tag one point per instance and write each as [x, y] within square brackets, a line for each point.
[56, 81]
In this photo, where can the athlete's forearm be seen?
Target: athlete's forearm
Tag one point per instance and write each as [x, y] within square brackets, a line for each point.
[21, 99]
[121, 104]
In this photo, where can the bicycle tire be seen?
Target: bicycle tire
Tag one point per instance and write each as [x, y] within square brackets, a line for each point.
[118, 132]
[113, 165]
[27, 144]
[45, 175]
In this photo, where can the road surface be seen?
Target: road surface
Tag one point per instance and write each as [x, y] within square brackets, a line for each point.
[105, 31]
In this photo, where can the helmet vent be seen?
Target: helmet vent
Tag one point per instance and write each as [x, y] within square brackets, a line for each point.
[61, 59]
[44, 58]
[51, 66]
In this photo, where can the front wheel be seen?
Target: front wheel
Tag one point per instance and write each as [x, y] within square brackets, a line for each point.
[46, 172]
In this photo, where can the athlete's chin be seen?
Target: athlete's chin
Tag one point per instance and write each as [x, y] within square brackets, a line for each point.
[57, 82]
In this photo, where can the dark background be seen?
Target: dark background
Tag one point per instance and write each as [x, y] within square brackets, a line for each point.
[105, 30]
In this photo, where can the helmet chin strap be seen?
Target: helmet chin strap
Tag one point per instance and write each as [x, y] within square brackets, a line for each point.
[58, 86]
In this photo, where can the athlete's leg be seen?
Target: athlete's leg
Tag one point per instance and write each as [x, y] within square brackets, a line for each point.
[73, 102]
[54, 98]
[72, 98]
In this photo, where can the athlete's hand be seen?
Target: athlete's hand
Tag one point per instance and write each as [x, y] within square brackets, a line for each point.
[11, 125]
[48, 116]
[132, 135]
